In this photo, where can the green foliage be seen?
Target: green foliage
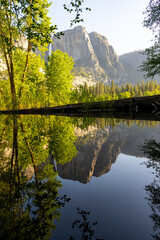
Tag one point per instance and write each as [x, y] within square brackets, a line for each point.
[22, 20]
[101, 92]
[124, 95]
[29, 203]
[152, 63]
[27, 21]
[34, 83]
[59, 77]
[151, 21]
[153, 17]
[61, 141]
[76, 6]
[5, 97]
[41, 86]
[80, 71]
[82, 95]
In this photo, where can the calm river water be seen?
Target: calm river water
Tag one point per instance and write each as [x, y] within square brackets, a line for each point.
[67, 178]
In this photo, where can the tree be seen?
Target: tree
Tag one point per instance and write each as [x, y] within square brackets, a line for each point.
[156, 84]
[29, 201]
[151, 21]
[112, 89]
[147, 86]
[123, 88]
[152, 86]
[33, 87]
[22, 20]
[26, 20]
[143, 86]
[76, 6]
[101, 88]
[59, 77]
[127, 87]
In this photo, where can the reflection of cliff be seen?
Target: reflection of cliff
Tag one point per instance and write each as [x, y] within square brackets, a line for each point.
[99, 149]
[108, 153]
[81, 168]
[96, 153]
[136, 137]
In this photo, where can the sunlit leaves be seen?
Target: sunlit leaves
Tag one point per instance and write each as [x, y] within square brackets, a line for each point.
[30, 203]
[76, 6]
[61, 142]
[152, 21]
[59, 77]
[152, 64]
[34, 80]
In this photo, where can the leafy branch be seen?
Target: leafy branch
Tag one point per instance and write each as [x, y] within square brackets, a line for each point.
[76, 6]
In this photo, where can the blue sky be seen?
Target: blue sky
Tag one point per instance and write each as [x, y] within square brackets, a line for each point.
[119, 20]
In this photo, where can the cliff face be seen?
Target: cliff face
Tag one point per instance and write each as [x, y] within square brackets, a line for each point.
[77, 44]
[90, 51]
[95, 57]
[107, 58]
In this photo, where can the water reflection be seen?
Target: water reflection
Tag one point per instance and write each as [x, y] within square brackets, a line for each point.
[34, 150]
[151, 149]
[99, 145]
[29, 199]
[83, 224]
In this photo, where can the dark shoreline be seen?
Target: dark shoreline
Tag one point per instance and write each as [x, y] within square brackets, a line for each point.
[138, 108]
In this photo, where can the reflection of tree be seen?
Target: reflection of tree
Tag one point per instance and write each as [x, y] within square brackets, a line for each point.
[28, 206]
[105, 121]
[151, 149]
[61, 139]
[84, 226]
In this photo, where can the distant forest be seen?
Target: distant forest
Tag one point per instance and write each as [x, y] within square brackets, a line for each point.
[101, 92]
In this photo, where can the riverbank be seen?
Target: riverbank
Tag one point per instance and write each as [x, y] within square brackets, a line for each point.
[146, 108]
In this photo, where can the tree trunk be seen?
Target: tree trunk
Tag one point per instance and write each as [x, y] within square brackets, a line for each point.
[25, 68]
[13, 91]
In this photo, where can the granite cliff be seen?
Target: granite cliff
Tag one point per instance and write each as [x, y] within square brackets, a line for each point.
[107, 57]
[96, 60]
[91, 53]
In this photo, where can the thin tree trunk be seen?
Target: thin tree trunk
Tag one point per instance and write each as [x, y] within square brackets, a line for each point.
[10, 53]
[9, 64]
[25, 68]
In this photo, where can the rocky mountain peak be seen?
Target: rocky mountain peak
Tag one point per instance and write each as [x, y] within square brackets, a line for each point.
[90, 51]
[107, 57]
[100, 37]
[76, 43]
[94, 56]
